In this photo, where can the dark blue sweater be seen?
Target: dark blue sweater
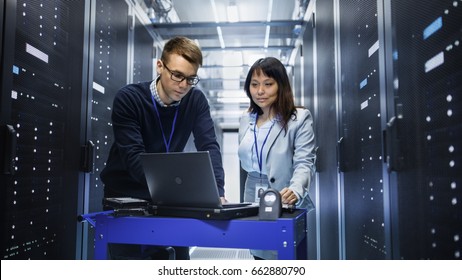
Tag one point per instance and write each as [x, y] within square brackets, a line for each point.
[137, 130]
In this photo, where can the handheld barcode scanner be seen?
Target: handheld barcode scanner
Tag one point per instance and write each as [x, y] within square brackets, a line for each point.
[270, 205]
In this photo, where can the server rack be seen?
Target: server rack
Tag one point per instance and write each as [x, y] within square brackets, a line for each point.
[427, 124]
[44, 78]
[65, 61]
[399, 127]
[397, 110]
[122, 51]
[360, 143]
[108, 70]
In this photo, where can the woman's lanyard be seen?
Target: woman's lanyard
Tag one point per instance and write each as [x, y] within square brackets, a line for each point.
[167, 144]
[260, 156]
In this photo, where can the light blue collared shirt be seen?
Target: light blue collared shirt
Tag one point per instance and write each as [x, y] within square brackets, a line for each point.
[249, 159]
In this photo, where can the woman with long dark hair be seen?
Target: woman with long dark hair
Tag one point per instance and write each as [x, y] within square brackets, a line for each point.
[276, 140]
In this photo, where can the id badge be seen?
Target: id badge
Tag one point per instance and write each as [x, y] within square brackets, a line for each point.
[259, 189]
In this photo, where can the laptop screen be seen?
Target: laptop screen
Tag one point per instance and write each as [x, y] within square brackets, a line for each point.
[183, 179]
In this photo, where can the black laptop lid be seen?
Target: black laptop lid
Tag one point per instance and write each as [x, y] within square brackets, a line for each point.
[184, 179]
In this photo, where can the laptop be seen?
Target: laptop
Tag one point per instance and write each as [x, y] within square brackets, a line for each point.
[182, 184]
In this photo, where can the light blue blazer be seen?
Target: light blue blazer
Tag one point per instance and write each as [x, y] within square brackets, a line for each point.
[291, 156]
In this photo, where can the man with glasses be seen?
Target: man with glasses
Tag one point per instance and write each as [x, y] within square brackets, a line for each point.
[157, 117]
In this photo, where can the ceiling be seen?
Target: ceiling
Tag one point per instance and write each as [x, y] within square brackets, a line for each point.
[263, 28]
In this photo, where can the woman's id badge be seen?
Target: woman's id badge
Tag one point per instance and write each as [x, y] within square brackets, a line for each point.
[259, 189]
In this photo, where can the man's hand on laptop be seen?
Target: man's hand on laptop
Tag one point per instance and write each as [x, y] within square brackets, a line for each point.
[223, 200]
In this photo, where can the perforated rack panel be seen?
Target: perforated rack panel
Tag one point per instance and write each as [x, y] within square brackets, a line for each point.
[41, 196]
[428, 71]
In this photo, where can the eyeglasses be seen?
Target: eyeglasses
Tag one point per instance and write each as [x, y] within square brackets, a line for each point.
[178, 77]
